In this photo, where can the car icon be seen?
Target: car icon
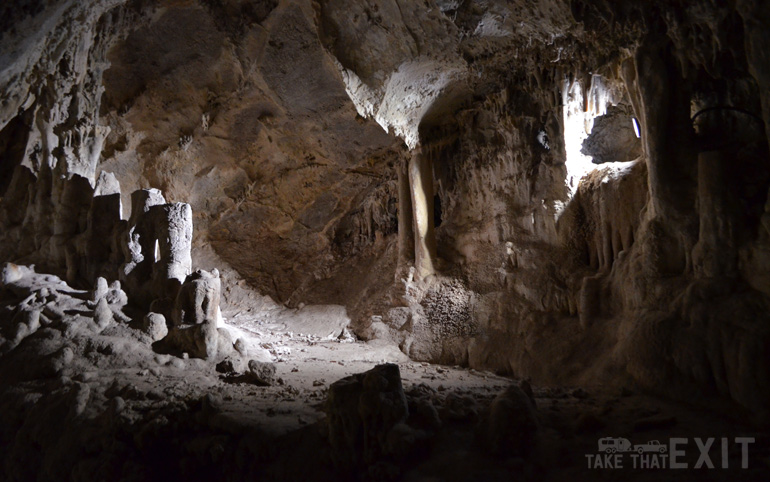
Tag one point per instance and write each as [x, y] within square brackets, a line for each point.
[651, 446]
[610, 445]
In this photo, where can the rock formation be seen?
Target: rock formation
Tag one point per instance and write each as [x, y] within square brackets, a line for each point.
[364, 413]
[196, 315]
[571, 192]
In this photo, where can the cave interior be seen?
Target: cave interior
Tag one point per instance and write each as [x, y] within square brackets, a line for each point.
[384, 240]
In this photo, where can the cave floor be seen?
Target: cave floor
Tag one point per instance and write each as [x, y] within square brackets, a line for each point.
[84, 404]
[572, 419]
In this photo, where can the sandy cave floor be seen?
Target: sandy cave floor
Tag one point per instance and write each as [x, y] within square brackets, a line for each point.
[67, 382]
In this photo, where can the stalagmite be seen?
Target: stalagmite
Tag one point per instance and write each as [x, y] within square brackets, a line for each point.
[173, 228]
[140, 244]
[104, 230]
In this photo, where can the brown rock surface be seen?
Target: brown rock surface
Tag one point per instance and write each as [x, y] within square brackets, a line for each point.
[405, 172]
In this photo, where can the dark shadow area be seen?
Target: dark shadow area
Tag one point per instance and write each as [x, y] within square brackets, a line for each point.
[13, 144]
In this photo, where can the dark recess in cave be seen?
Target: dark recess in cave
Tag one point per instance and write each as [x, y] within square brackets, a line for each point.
[13, 142]
[437, 210]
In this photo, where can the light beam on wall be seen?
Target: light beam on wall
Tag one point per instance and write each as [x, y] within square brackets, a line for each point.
[579, 114]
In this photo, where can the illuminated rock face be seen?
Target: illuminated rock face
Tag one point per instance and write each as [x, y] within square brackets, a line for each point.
[323, 150]
[421, 188]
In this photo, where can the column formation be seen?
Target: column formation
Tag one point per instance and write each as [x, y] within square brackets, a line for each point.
[421, 188]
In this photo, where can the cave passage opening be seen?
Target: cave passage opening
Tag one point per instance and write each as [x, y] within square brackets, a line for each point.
[581, 106]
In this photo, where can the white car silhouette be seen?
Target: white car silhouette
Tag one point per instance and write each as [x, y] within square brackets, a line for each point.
[651, 446]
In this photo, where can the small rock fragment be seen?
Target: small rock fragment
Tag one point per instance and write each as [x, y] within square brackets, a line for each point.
[61, 359]
[229, 365]
[240, 346]
[261, 373]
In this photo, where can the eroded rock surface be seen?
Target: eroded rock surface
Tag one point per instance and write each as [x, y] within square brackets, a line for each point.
[402, 171]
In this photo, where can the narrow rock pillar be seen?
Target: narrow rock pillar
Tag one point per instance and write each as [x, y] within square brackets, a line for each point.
[174, 229]
[421, 184]
[405, 225]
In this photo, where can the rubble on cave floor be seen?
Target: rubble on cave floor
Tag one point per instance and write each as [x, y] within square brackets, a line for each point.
[85, 394]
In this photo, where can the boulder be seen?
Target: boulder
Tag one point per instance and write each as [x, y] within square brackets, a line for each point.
[261, 373]
[511, 424]
[195, 317]
[154, 324]
[612, 138]
[362, 410]
[116, 296]
[230, 365]
[198, 341]
[12, 273]
[198, 299]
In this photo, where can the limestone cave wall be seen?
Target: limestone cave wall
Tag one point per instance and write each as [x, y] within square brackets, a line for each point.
[408, 160]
